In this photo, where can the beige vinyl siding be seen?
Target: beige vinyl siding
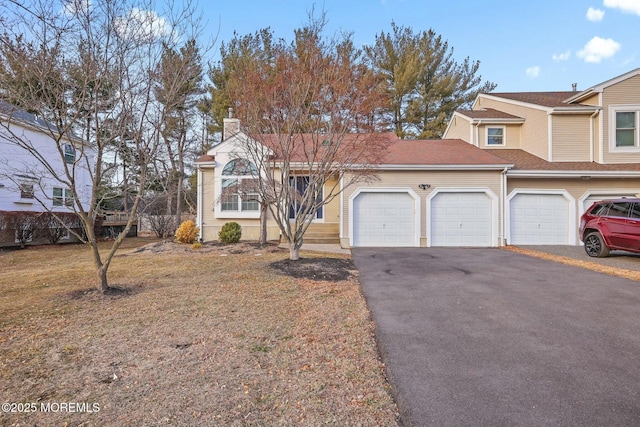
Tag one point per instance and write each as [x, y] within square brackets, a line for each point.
[597, 139]
[460, 129]
[626, 92]
[411, 180]
[592, 100]
[332, 210]
[577, 188]
[571, 138]
[534, 136]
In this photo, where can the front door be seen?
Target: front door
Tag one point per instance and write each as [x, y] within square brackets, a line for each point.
[301, 184]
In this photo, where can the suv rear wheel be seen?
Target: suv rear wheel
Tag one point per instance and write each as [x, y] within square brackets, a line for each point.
[594, 245]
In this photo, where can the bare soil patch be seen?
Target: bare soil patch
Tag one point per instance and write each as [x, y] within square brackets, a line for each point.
[195, 337]
[331, 269]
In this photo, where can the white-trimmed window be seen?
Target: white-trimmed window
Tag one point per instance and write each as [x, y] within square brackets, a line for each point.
[238, 190]
[62, 197]
[495, 135]
[624, 124]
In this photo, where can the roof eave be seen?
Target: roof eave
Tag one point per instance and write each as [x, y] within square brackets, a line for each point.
[457, 167]
[584, 174]
[478, 121]
[576, 110]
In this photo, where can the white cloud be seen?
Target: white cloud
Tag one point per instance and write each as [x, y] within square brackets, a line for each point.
[144, 25]
[595, 15]
[598, 49]
[629, 6]
[533, 72]
[74, 7]
[561, 56]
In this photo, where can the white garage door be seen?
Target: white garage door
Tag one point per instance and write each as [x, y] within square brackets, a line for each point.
[539, 219]
[384, 219]
[461, 219]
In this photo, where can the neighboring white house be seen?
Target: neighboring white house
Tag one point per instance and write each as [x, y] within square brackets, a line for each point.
[27, 187]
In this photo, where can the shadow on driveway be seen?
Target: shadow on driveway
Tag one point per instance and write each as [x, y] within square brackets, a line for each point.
[490, 337]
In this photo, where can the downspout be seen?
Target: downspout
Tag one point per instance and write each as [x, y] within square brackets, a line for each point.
[200, 209]
[477, 136]
[592, 146]
[503, 207]
[341, 216]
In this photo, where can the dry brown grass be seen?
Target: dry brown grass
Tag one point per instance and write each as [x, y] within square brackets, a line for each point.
[594, 266]
[198, 339]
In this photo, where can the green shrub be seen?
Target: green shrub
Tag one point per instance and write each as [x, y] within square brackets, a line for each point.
[231, 232]
[187, 232]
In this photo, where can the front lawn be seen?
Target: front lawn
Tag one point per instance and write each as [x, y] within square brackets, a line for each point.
[217, 336]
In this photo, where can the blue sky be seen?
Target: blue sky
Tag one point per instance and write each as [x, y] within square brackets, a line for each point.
[542, 45]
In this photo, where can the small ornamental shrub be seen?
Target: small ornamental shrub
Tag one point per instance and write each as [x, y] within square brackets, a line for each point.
[187, 232]
[231, 232]
[196, 245]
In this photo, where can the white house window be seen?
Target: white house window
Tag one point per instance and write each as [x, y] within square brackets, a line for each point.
[69, 153]
[239, 186]
[624, 127]
[62, 197]
[495, 136]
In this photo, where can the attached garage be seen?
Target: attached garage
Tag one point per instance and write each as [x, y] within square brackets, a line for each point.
[462, 218]
[588, 201]
[384, 218]
[541, 219]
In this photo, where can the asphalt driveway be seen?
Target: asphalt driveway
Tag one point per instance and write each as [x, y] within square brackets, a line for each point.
[488, 337]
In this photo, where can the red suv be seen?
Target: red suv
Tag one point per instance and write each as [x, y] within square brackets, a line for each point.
[611, 224]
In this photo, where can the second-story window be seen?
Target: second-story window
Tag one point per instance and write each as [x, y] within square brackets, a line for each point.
[26, 190]
[495, 136]
[69, 153]
[626, 128]
[62, 197]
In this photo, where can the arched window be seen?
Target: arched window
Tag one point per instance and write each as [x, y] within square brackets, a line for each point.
[239, 186]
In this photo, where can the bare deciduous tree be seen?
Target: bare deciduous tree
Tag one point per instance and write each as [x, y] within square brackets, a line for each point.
[88, 68]
[308, 108]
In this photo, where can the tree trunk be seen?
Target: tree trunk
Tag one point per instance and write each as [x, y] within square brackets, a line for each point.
[102, 282]
[294, 252]
[263, 224]
[178, 219]
[294, 248]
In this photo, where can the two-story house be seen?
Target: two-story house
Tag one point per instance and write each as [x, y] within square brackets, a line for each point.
[28, 187]
[518, 168]
[568, 149]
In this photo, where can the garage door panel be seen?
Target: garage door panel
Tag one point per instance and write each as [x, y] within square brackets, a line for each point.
[461, 219]
[539, 219]
[384, 219]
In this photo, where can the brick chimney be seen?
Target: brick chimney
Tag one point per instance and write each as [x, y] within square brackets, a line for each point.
[230, 126]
